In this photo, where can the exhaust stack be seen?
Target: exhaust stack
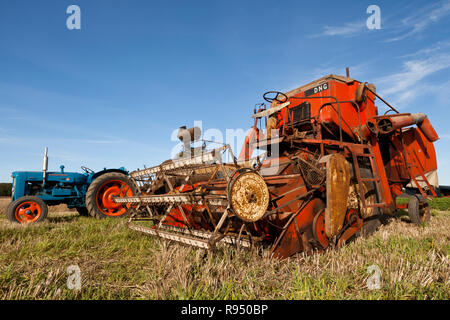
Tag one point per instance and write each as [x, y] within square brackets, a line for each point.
[44, 165]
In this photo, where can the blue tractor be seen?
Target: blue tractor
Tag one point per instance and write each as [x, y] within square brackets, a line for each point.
[90, 193]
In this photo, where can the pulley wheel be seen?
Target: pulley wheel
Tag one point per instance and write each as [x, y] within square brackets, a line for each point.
[248, 196]
[318, 228]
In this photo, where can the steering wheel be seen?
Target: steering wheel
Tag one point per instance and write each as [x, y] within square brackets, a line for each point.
[276, 97]
[87, 170]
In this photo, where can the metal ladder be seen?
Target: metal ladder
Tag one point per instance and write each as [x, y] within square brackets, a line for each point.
[376, 179]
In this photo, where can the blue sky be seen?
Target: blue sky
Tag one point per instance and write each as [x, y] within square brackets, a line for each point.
[110, 94]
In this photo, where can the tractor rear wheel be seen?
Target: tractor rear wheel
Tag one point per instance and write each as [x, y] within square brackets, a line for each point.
[101, 192]
[28, 209]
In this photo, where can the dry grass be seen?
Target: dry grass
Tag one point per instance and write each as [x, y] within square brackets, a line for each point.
[61, 208]
[4, 201]
[117, 263]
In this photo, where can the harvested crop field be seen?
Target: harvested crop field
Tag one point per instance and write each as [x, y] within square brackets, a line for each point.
[117, 263]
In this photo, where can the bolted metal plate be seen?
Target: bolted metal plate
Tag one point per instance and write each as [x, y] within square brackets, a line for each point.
[249, 196]
[338, 187]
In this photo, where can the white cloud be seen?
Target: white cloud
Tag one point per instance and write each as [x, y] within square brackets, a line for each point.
[9, 140]
[93, 141]
[413, 24]
[404, 85]
[439, 46]
[347, 30]
[421, 19]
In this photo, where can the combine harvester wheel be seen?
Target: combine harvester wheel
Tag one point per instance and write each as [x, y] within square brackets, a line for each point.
[419, 210]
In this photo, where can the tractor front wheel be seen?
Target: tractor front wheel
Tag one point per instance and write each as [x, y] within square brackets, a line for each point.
[101, 193]
[28, 209]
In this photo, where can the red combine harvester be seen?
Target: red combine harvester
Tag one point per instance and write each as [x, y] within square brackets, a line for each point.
[329, 168]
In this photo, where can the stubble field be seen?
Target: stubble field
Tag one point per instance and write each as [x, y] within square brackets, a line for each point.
[118, 263]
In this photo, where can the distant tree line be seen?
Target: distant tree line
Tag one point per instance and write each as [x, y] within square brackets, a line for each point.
[5, 189]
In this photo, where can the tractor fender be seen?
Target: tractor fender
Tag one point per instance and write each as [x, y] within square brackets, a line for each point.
[100, 173]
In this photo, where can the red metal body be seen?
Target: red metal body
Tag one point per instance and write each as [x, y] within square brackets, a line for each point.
[316, 197]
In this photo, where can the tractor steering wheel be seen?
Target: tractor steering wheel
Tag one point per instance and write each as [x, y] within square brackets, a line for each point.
[277, 94]
[87, 170]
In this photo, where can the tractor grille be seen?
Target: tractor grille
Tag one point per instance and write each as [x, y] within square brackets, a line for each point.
[301, 113]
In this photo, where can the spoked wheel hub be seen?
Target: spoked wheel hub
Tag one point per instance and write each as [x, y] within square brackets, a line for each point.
[27, 209]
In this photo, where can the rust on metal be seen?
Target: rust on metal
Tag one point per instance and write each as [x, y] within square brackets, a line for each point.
[329, 166]
[338, 188]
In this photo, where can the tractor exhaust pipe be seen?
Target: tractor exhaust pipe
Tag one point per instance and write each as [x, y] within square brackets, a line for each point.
[44, 166]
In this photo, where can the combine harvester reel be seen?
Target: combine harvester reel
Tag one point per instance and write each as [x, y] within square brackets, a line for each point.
[331, 170]
[192, 212]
